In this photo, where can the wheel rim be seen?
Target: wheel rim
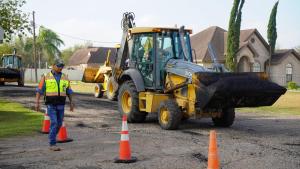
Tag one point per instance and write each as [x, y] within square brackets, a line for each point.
[126, 102]
[164, 115]
[110, 88]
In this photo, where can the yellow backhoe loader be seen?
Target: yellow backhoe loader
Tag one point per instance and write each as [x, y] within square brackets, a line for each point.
[11, 69]
[101, 77]
[154, 73]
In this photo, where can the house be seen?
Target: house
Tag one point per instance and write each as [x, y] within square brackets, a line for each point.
[91, 57]
[285, 66]
[253, 54]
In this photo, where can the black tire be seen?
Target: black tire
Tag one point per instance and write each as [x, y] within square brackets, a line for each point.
[111, 91]
[98, 93]
[226, 119]
[126, 90]
[21, 83]
[174, 115]
[184, 118]
[2, 83]
[21, 80]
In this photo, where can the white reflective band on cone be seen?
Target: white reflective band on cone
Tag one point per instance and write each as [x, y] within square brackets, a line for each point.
[46, 118]
[124, 126]
[63, 124]
[124, 137]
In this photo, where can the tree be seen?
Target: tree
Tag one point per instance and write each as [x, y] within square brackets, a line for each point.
[272, 31]
[233, 37]
[48, 43]
[12, 19]
[5, 48]
[24, 48]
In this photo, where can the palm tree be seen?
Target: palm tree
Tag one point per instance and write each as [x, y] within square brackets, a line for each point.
[48, 43]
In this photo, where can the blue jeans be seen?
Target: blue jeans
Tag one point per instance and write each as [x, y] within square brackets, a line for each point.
[56, 115]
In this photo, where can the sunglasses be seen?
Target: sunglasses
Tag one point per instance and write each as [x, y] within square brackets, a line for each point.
[60, 65]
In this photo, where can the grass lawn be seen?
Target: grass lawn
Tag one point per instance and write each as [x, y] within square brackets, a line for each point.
[288, 104]
[18, 120]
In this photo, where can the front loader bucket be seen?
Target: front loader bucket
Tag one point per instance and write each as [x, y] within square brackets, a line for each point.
[90, 74]
[226, 90]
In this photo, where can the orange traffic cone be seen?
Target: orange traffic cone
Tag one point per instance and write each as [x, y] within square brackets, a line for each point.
[62, 134]
[46, 124]
[213, 157]
[125, 153]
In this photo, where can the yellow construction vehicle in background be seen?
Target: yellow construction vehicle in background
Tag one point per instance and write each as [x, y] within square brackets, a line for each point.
[101, 77]
[11, 69]
[154, 73]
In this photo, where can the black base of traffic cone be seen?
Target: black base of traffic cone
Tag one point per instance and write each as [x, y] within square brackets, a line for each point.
[42, 132]
[132, 160]
[65, 141]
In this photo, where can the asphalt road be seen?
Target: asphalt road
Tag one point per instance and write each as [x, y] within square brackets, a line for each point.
[253, 142]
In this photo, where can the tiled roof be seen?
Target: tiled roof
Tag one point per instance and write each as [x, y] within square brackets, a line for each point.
[200, 41]
[91, 55]
[279, 55]
[218, 38]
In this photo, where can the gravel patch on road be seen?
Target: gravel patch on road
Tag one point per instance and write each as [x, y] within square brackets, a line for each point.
[254, 141]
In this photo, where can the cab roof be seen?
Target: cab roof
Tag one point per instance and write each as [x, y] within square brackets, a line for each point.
[5, 55]
[154, 29]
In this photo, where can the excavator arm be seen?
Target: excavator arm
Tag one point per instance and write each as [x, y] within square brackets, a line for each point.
[123, 52]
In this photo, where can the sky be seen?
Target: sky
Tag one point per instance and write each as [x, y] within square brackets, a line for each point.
[98, 21]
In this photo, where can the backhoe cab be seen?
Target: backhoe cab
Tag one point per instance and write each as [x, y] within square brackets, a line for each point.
[11, 69]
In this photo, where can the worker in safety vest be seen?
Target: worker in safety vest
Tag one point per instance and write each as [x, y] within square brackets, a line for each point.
[55, 86]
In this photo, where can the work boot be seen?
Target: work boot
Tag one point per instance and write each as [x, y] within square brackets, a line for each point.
[54, 148]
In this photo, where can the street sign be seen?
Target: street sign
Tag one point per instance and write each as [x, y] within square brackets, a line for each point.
[1, 34]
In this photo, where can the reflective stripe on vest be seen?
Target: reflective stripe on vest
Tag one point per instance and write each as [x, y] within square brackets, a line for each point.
[52, 88]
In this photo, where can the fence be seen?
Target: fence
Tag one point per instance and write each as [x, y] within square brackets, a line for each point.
[77, 76]
[72, 74]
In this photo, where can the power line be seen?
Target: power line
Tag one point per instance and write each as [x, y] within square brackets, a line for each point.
[74, 37]
[78, 38]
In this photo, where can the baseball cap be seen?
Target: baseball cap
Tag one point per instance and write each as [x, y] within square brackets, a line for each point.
[59, 63]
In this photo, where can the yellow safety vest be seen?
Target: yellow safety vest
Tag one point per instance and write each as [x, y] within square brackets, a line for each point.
[52, 88]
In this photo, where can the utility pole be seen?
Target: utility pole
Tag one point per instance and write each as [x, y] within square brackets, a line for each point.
[1, 34]
[34, 46]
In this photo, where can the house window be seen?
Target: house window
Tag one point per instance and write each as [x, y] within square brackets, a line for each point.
[256, 67]
[289, 72]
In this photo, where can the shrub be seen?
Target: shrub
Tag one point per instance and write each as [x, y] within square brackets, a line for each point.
[292, 85]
